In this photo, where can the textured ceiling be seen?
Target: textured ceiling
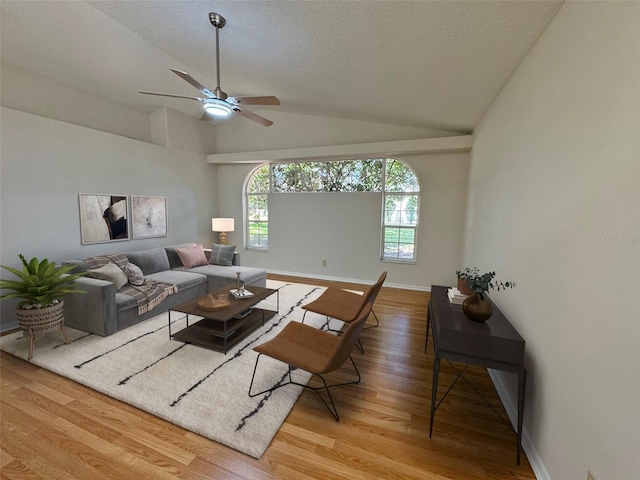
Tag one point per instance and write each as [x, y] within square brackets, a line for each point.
[430, 64]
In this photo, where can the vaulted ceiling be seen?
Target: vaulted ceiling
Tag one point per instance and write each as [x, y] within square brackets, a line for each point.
[429, 64]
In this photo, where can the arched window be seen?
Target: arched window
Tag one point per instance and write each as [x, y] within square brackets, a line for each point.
[400, 216]
[257, 211]
[393, 178]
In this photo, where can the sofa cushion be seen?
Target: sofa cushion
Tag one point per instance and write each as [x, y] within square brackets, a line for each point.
[112, 273]
[222, 254]
[150, 261]
[220, 276]
[192, 256]
[125, 302]
[180, 278]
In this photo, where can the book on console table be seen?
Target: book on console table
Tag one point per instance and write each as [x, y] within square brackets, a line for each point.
[455, 296]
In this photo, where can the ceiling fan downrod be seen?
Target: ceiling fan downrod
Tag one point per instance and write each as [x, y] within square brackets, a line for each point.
[218, 21]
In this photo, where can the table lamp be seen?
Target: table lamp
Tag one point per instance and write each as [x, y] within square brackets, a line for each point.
[222, 225]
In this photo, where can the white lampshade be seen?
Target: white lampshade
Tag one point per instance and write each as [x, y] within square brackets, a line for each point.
[222, 225]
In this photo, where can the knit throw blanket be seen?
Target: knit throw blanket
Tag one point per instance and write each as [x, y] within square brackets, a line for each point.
[148, 295]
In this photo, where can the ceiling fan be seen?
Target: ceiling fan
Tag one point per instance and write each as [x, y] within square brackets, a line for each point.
[216, 103]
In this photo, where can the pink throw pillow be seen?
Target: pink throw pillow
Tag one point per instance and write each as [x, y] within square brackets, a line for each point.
[192, 256]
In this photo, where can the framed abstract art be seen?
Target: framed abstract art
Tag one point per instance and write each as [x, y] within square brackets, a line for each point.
[103, 218]
[149, 216]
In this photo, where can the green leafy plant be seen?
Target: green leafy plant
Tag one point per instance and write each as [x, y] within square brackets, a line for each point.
[41, 283]
[481, 283]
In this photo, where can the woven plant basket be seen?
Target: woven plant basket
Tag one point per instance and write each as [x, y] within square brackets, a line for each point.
[38, 321]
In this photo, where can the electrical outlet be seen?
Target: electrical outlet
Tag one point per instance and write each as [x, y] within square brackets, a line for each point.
[591, 476]
[324, 263]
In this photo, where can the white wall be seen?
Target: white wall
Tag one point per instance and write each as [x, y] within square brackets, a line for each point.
[344, 228]
[554, 204]
[21, 89]
[46, 163]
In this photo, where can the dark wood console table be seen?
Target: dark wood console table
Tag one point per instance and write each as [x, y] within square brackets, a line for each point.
[493, 344]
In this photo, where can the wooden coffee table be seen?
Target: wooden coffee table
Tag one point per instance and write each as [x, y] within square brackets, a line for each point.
[221, 329]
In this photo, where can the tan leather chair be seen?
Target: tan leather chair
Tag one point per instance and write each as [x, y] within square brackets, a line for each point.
[316, 351]
[344, 305]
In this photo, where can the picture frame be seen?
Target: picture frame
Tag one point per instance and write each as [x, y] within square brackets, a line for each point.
[149, 216]
[103, 217]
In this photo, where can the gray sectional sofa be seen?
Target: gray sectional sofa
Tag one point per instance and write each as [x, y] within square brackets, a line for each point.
[103, 311]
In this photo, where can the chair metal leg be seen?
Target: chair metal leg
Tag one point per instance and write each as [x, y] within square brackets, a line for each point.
[377, 321]
[329, 405]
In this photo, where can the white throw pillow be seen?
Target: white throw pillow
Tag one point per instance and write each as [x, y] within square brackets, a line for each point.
[112, 273]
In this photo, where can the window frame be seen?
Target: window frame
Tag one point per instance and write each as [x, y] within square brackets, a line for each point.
[400, 227]
[384, 196]
[245, 208]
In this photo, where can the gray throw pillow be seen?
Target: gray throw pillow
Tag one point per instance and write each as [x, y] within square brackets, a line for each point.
[134, 274]
[111, 273]
[222, 254]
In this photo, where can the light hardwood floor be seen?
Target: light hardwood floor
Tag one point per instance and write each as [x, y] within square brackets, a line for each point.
[53, 428]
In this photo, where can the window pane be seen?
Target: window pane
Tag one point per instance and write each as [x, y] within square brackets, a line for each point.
[410, 210]
[399, 177]
[257, 207]
[399, 243]
[335, 176]
[406, 251]
[259, 182]
[390, 250]
[391, 235]
[258, 234]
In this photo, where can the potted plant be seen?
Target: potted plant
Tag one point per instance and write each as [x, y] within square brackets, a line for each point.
[476, 307]
[463, 286]
[41, 286]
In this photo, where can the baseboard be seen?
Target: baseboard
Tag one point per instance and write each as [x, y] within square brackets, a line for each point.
[349, 280]
[529, 448]
[8, 328]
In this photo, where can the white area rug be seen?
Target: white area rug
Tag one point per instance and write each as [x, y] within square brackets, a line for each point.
[199, 389]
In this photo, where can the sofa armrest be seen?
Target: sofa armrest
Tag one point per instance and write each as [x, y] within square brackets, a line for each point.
[93, 311]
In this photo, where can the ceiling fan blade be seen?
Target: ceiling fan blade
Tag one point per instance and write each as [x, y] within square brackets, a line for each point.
[188, 78]
[252, 116]
[173, 96]
[267, 100]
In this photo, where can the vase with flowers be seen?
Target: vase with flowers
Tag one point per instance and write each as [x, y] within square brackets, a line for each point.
[476, 306]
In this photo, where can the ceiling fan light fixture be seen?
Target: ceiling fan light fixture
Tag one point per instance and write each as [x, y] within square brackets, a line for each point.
[214, 102]
[218, 108]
